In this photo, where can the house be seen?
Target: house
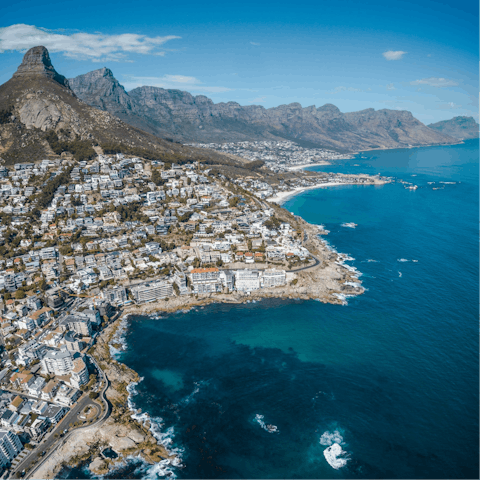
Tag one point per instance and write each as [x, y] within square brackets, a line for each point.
[55, 413]
[50, 390]
[16, 404]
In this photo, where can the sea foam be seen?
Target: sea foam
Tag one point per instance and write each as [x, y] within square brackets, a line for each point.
[164, 437]
[334, 453]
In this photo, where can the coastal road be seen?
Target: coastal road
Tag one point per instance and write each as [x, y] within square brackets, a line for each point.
[317, 261]
[66, 423]
[52, 442]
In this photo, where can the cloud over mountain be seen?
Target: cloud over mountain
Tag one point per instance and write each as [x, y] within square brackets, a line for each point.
[79, 45]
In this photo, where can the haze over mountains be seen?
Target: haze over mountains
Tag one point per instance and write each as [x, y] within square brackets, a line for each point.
[187, 118]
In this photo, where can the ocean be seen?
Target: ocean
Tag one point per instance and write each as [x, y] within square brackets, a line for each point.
[392, 377]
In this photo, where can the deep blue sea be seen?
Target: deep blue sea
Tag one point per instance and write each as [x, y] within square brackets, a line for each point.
[393, 376]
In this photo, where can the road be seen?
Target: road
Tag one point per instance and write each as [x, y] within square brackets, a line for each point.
[53, 442]
[53, 437]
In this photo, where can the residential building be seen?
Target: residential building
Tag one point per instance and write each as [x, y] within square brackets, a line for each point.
[247, 280]
[206, 280]
[79, 373]
[10, 446]
[151, 291]
[57, 362]
[274, 278]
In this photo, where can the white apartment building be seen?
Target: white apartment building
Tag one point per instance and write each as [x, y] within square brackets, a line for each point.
[206, 280]
[247, 280]
[79, 373]
[10, 447]
[151, 291]
[57, 362]
[274, 278]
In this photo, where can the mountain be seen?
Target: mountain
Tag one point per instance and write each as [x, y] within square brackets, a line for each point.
[41, 116]
[461, 128]
[182, 116]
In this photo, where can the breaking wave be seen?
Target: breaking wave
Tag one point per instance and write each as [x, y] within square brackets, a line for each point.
[267, 427]
[334, 453]
[164, 468]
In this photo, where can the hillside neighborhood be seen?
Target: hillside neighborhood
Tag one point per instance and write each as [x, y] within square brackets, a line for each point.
[81, 240]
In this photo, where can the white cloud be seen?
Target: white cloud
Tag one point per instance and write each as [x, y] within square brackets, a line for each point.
[390, 86]
[96, 47]
[449, 106]
[435, 82]
[345, 89]
[259, 99]
[254, 43]
[394, 55]
[173, 82]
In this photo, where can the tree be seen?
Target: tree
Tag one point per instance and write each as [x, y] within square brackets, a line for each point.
[19, 294]
[93, 395]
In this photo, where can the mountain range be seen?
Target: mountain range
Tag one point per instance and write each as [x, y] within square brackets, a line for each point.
[40, 116]
[43, 114]
[181, 116]
[462, 128]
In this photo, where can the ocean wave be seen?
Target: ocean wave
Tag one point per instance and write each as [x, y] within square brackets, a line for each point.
[370, 260]
[349, 225]
[163, 437]
[119, 338]
[402, 260]
[399, 274]
[329, 438]
[267, 427]
[334, 453]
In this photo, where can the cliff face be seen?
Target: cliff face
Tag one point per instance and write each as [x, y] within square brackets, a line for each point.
[178, 114]
[37, 100]
[462, 128]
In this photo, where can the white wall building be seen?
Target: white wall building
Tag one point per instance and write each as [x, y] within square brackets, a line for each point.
[247, 280]
[10, 446]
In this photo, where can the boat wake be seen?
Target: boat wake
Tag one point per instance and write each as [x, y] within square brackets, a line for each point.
[267, 427]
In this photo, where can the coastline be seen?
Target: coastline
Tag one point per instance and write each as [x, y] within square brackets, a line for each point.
[133, 434]
[282, 197]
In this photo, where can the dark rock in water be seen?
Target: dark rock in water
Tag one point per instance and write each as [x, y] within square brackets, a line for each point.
[37, 62]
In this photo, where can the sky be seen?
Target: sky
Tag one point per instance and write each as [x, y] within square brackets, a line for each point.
[420, 55]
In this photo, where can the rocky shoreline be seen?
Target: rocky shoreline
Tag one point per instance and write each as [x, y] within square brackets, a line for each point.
[128, 432]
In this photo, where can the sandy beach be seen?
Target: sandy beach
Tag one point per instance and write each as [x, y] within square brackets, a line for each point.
[282, 197]
[306, 165]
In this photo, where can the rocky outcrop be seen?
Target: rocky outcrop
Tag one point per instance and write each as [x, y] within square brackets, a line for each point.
[180, 115]
[462, 128]
[37, 100]
[37, 62]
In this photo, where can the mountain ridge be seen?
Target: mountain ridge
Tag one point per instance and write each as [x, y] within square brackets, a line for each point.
[188, 118]
[37, 101]
[461, 127]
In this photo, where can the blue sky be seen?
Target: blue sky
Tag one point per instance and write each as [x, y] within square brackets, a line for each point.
[420, 56]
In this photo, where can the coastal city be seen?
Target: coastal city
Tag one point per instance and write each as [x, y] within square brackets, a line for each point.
[82, 241]
[278, 156]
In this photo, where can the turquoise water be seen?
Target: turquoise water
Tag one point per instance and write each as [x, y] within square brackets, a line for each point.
[393, 375]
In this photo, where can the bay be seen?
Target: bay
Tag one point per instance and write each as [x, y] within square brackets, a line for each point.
[392, 376]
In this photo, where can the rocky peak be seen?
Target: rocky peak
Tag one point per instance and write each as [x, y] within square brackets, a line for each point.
[37, 62]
